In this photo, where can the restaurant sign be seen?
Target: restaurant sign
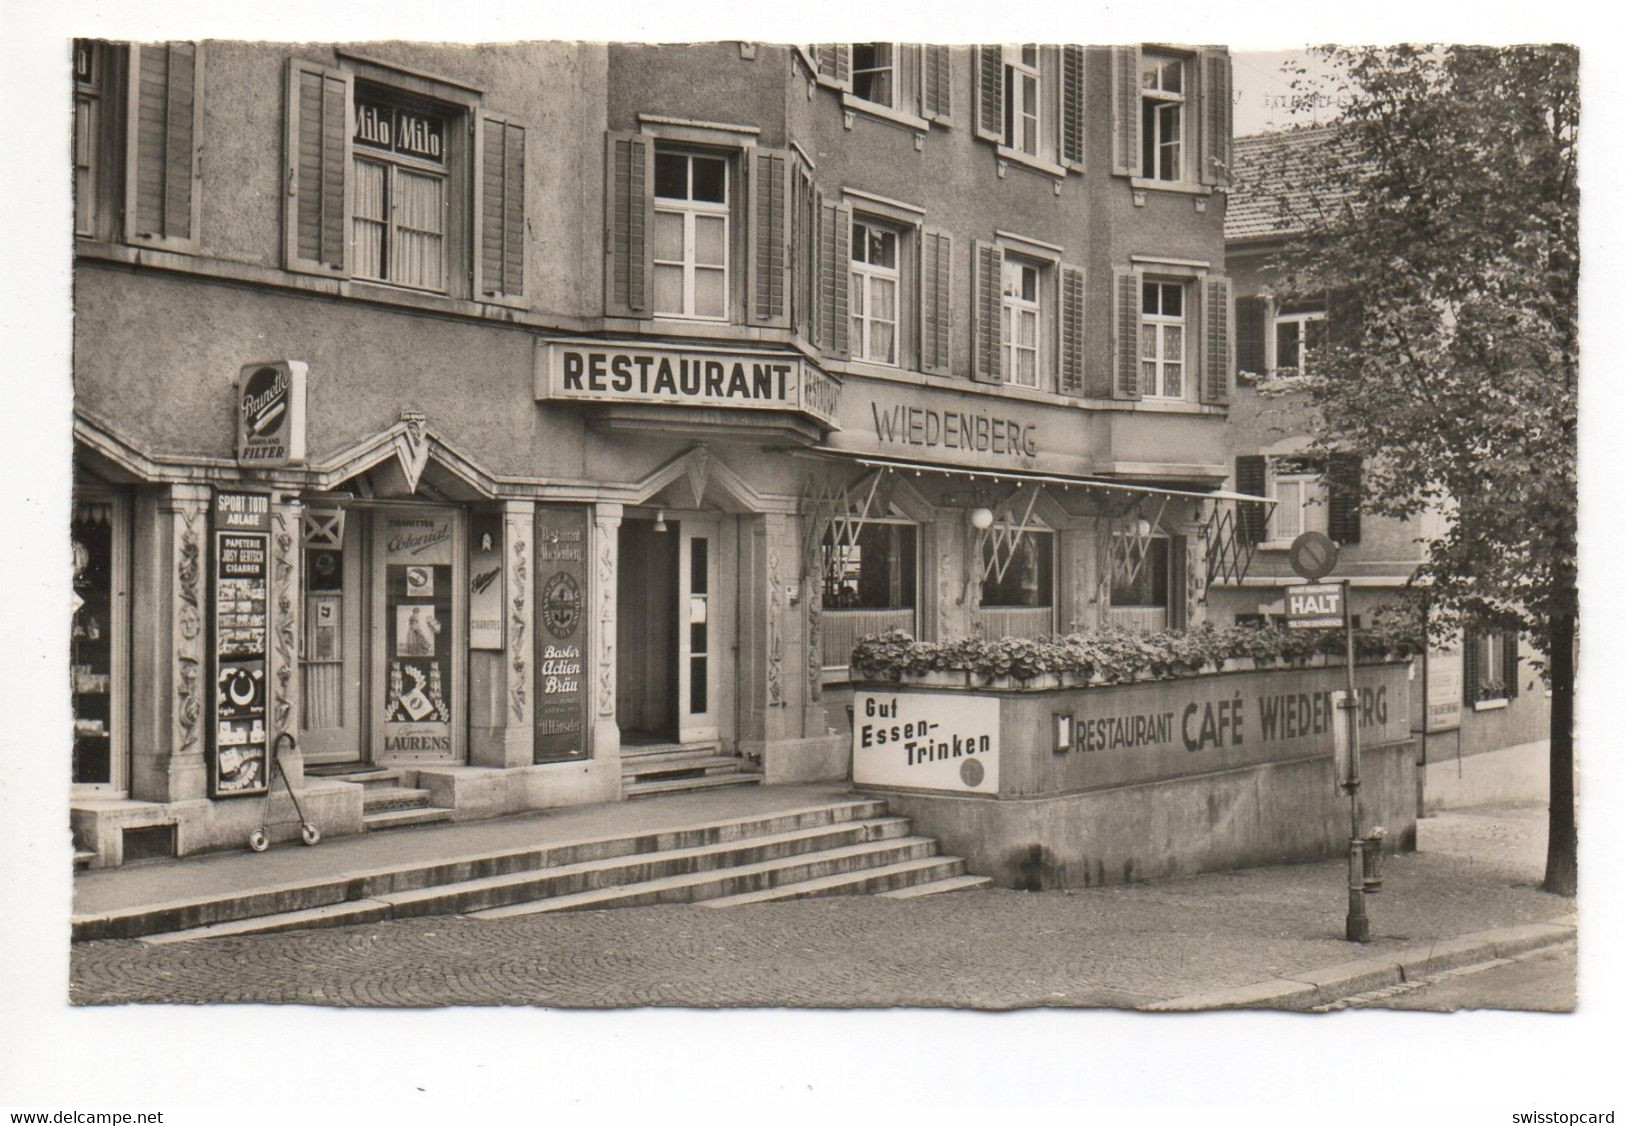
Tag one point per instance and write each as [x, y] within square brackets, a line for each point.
[595, 371]
[271, 414]
[926, 741]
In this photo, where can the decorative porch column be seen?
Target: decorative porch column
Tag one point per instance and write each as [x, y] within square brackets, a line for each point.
[606, 526]
[282, 657]
[169, 627]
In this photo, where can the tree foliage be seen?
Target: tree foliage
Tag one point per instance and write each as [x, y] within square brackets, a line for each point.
[1449, 211]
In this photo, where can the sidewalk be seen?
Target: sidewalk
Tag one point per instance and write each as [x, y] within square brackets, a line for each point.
[1270, 936]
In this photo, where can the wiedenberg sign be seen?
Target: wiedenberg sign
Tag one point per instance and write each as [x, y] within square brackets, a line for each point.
[600, 372]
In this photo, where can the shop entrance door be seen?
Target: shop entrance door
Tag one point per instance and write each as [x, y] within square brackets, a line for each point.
[698, 637]
[645, 632]
[668, 642]
[331, 657]
[419, 640]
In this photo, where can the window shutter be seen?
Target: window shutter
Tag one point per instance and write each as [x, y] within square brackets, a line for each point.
[1251, 478]
[937, 100]
[835, 64]
[1250, 322]
[1072, 118]
[1343, 497]
[936, 302]
[1215, 117]
[164, 135]
[768, 252]
[988, 114]
[1509, 663]
[1125, 111]
[804, 250]
[499, 220]
[316, 215]
[1216, 355]
[834, 276]
[1072, 349]
[986, 285]
[1469, 666]
[628, 218]
[1179, 607]
[1126, 333]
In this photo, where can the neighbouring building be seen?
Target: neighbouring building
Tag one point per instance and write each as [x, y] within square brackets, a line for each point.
[487, 412]
[1481, 692]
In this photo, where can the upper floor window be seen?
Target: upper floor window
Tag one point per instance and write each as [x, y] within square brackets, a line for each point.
[1020, 315]
[874, 292]
[874, 73]
[1163, 83]
[1295, 338]
[1022, 101]
[414, 188]
[1300, 504]
[1162, 339]
[691, 236]
[401, 202]
[90, 85]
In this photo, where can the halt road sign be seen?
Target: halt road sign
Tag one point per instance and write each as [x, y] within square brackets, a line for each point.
[1312, 556]
[1314, 605]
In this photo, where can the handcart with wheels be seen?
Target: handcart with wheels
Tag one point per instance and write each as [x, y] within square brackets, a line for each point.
[260, 839]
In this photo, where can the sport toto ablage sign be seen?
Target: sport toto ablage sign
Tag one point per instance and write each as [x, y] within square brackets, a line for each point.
[271, 414]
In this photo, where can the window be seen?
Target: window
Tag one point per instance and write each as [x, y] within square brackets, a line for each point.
[1490, 664]
[874, 73]
[1162, 117]
[1148, 588]
[1295, 340]
[875, 573]
[401, 201]
[1021, 99]
[691, 236]
[874, 293]
[90, 85]
[1029, 580]
[1020, 312]
[1162, 339]
[1300, 506]
[416, 188]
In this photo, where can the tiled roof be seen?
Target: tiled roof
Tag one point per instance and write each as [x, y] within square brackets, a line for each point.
[1270, 193]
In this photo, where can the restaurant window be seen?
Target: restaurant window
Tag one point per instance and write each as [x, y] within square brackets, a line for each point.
[869, 586]
[875, 292]
[1163, 339]
[1028, 581]
[1020, 320]
[1300, 503]
[874, 73]
[1163, 84]
[1148, 588]
[691, 236]
[401, 202]
[1295, 338]
[97, 655]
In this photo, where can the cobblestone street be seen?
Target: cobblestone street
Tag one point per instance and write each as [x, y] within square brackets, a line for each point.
[1115, 946]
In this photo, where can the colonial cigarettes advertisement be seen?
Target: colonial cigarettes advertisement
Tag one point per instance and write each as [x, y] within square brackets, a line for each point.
[926, 741]
[561, 640]
[417, 625]
[240, 762]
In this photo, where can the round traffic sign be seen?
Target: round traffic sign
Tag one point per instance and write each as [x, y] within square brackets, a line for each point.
[1312, 555]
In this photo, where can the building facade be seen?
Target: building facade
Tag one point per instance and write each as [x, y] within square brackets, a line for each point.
[481, 412]
[1479, 692]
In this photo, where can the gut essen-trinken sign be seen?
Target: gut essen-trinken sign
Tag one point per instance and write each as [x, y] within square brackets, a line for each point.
[926, 741]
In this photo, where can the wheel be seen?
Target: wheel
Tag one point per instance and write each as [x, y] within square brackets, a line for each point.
[311, 834]
[258, 841]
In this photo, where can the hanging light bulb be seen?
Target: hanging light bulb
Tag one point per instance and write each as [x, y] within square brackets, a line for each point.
[1143, 527]
[660, 519]
[981, 519]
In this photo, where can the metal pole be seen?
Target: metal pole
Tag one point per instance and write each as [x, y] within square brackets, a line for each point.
[1358, 928]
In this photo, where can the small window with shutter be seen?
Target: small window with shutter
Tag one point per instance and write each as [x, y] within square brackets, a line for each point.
[691, 252]
[1490, 658]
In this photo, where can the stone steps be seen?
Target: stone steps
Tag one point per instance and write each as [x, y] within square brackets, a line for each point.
[846, 847]
[669, 768]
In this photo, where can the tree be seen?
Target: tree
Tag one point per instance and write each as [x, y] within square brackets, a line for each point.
[1449, 211]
